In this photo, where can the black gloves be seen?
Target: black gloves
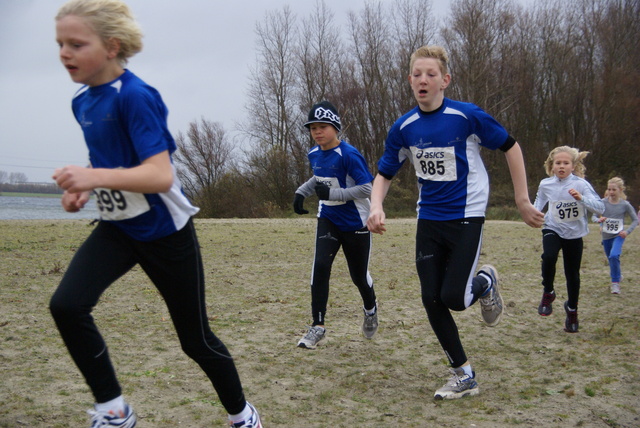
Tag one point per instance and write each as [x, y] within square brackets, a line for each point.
[298, 200]
[322, 190]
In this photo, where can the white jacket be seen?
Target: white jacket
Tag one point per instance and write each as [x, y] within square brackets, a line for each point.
[566, 216]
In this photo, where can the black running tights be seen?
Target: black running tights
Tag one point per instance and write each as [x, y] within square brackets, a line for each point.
[174, 265]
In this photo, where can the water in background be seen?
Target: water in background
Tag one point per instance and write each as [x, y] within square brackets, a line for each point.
[41, 208]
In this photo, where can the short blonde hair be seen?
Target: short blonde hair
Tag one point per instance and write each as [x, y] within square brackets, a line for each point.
[576, 158]
[435, 52]
[617, 181]
[110, 19]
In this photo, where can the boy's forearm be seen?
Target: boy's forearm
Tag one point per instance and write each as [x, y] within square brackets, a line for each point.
[515, 160]
[379, 191]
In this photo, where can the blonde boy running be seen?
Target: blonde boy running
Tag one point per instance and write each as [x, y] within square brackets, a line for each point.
[442, 139]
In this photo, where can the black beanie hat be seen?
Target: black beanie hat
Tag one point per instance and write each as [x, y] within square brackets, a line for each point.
[324, 112]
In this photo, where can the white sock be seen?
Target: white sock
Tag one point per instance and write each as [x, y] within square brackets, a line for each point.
[370, 311]
[242, 416]
[115, 406]
[467, 370]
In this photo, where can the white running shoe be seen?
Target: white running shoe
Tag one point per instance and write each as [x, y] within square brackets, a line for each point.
[312, 337]
[459, 385]
[126, 419]
[370, 324]
[491, 301]
[252, 422]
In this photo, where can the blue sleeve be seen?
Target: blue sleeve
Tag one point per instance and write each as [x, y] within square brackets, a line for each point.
[392, 159]
[491, 133]
[146, 121]
[357, 168]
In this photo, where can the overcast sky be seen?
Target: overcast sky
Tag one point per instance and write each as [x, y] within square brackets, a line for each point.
[197, 53]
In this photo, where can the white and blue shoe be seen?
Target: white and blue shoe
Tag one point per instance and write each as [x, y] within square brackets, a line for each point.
[126, 419]
[491, 300]
[252, 422]
[459, 385]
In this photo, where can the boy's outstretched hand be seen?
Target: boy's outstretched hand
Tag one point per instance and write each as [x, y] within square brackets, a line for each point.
[531, 215]
[375, 222]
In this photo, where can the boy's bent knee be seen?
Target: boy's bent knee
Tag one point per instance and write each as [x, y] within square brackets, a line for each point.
[64, 308]
[210, 348]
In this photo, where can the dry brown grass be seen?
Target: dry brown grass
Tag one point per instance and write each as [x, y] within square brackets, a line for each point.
[531, 373]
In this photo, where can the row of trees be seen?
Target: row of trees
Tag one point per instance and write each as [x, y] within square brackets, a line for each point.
[557, 73]
[12, 177]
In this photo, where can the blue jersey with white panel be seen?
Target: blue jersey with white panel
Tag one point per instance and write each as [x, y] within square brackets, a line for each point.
[341, 167]
[125, 122]
[444, 148]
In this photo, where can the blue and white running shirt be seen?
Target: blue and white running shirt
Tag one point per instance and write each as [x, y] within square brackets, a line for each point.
[342, 167]
[125, 122]
[444, 148]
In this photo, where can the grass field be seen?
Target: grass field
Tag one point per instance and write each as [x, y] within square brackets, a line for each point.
[531, 373]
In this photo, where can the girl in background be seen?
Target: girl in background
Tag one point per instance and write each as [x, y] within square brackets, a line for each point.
[616, 208]
[567, 196]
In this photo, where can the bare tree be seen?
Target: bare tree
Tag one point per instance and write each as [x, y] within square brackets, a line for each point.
[319, 56]
[554, 73]
[274, 125]
[272, 111]
[372, 52]
[413, 26]
[17, 177]
[616, 94]
[203, 157]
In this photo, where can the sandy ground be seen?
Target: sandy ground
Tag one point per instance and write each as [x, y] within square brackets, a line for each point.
[530, 372]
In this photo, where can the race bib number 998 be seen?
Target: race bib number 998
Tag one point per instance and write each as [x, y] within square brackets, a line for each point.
[117, 205]
[566, 211]
[435, 163]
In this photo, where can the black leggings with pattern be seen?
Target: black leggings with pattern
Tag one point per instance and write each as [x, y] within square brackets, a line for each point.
[356, 246]
[174, 265]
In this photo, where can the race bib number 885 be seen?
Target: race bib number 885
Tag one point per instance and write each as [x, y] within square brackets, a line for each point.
[435, 163]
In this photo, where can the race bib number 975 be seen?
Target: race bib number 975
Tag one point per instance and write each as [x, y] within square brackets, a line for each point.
[566, 211]
[117, 205]
[435, 163]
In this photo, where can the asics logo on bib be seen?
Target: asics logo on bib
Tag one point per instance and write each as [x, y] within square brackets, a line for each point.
[429, 154]
[566, 205]
[324, 114]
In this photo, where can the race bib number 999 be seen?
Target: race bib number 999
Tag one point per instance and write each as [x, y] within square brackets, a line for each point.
[435, 163]
[117, 205]
[566, 211]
